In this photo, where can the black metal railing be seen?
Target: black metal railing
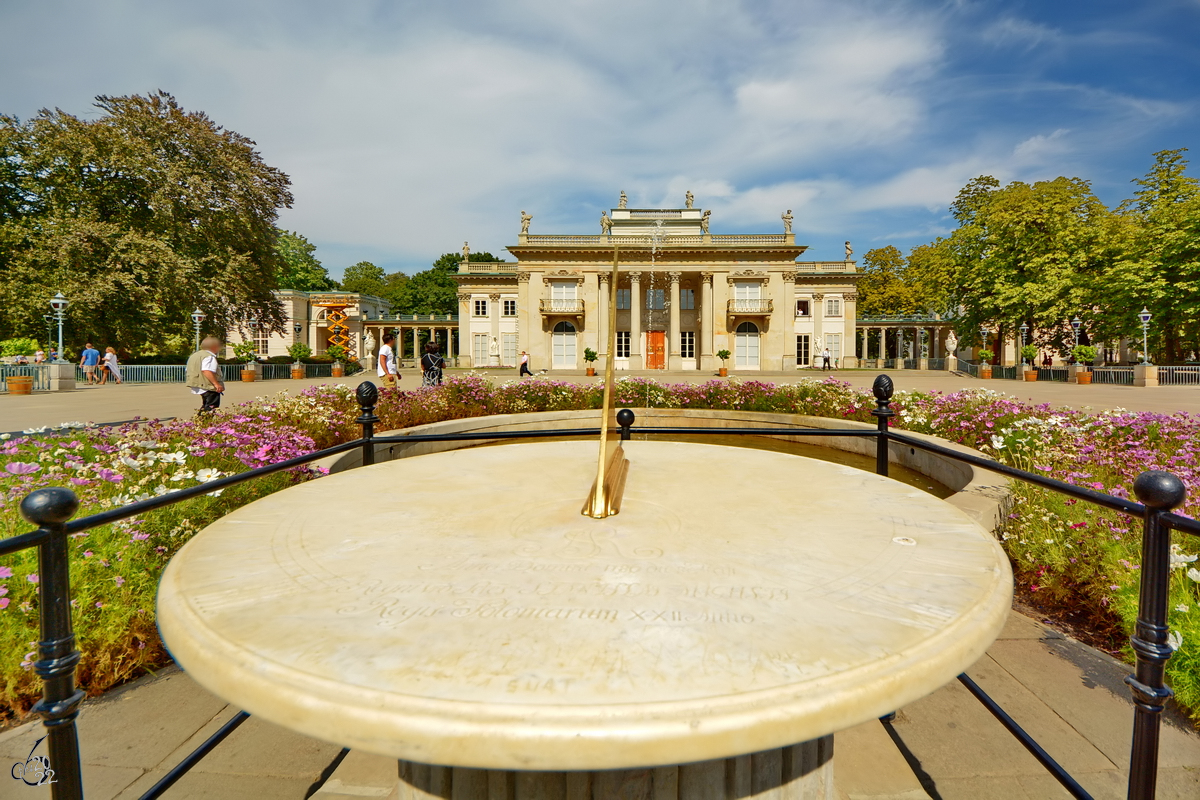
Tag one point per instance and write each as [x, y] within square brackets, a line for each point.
[52, 509]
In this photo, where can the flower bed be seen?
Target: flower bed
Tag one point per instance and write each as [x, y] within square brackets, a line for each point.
[1069, 556]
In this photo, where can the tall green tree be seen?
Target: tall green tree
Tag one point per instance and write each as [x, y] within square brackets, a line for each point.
[881, 289]
[298, 266]
[138, 216]
[1159, 268]
[364, 278]
[434, 291]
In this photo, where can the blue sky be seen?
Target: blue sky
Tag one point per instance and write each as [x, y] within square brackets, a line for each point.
[408, 127]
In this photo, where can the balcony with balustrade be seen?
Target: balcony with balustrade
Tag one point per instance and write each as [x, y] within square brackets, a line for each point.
[561, 307]
[750, 308]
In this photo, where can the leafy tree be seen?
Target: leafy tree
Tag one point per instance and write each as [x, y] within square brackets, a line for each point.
[1159, 229]
[881, 289]
[137, 216]
[364, 278]
[298, 268]
[434, 291]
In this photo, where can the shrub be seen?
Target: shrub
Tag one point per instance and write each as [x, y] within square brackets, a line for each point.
[986, 356]
[1029, 352]
[244, 352]
[1084, 353]
[18, 347]
[299, 351]
[590, 355]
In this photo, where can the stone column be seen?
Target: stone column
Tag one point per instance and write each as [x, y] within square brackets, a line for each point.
[62, 377]
[494, 320]
[602, 323]
[674, 358]
[818, 342]
[882, 345]
[850, 329]
[899, 348]
[635, 320]
[785, 318]
[449, 345]
[525, 314]
[464, 328]
[416, 344]
[707, 318]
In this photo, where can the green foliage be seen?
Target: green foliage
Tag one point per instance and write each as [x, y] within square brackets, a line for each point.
[18, 347]
[298, 268]
[723, 355]
[299, 351]
[244, 352]
[337, 352]
[136, 214]
[434, 290]
[590, 355]
[1030, 352]
[364, 278]
[393, 288]
[881, 289]
[986, 356]
[1085, 353]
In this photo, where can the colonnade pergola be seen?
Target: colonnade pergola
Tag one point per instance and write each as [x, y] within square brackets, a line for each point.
[413, 331]
[903, 337]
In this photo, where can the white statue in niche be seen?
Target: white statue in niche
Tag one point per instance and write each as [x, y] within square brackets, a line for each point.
[369, 344]
[494, 352]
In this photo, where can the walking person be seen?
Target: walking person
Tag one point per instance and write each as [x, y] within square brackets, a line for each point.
[524, 366]
[203, 375]
[88, 361]
[825, 359]
[386, 362]
[110, 366]
[431, 366]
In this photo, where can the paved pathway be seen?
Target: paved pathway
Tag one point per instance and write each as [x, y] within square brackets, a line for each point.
[111, 403]
[1070, 697]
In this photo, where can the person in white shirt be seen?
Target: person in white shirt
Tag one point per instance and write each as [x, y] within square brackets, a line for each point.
[524, 366]
[386, 361]
[203, 375]
[825, 359]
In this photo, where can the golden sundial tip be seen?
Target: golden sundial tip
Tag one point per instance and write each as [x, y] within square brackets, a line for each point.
[605, 498]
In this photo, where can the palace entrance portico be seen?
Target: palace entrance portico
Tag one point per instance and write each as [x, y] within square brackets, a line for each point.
[413, 332]
[906, 342]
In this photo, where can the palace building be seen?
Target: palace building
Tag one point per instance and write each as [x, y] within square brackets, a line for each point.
[683, 295]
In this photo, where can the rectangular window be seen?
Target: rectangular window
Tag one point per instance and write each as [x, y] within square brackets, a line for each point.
[262, 341]
[687, 299]
[622, 344]
[834, 342]
[481, 308]
[479, 349]
[508, 349]
[687, 344]
[510, 308]
[562, 290]
[622, 300]
[747, 290]
[802, 308]
[656, 299]
[802, 350]
[833, 307]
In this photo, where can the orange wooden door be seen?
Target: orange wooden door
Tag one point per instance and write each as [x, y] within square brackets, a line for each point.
[656, 347]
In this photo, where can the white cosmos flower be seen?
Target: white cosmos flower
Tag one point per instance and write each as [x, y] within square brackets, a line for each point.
[997, 443]
[1183, 607]
[1175, 640]
[1194, 574]
[183, 475]
[207, 474]
[129, 462]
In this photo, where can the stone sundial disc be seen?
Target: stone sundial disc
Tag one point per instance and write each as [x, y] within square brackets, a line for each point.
[458, 609]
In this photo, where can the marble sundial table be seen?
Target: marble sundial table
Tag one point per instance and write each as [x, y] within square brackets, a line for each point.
[455, 611]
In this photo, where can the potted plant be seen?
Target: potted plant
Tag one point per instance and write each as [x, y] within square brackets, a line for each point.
[338, 354]
[985, 364]
[299, 351]
[1084, 354]
[724, 356]
[1028, 353]
[244, 352]
[590, 356]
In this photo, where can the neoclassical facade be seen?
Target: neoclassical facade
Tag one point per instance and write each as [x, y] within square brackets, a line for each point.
[684, 295]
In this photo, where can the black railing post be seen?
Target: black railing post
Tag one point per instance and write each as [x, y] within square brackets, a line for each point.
[1159, 492]
[882, 388]
[625, 420]
[50, 509]
[368, 396]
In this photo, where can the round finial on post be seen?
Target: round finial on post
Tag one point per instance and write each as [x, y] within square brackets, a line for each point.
[367, 394]
[625, 417]
[53, 505]
[883, 388]
[1159, 490]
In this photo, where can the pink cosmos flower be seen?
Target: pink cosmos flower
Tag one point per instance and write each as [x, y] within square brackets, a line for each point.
[21, 468]
[5, 572]
[4, 601]
[32, 577]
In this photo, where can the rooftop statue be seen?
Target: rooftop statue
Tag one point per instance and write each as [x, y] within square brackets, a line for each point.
[605, 222]
[525, 220]
[787, 221]
[849, 251]
[466, 252]
[704, 221]
[688, 199]
[623, 202]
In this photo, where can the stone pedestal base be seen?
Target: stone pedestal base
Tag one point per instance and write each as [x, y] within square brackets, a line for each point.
[800, 772]
[1145, 375]
[849, 362]
[62, 377]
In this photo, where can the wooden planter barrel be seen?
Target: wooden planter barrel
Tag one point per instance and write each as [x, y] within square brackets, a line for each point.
[1083, 377]
[298, 373]
[985, 373]
[248, 375]
[20, 384]
[1030, 375]
[338, 371]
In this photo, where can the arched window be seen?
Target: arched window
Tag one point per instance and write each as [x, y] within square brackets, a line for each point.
[564, 327]
[562, 346]
[746, 346]
[747, 327]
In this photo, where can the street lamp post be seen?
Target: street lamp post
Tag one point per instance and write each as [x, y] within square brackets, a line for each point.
[1075, 323]
[1144, 316]
[198, 318]
[49, 328]
[983, 334]
[59, 304]
[1024, 330]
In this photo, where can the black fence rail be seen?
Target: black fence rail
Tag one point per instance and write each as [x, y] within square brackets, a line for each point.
[52, 509]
